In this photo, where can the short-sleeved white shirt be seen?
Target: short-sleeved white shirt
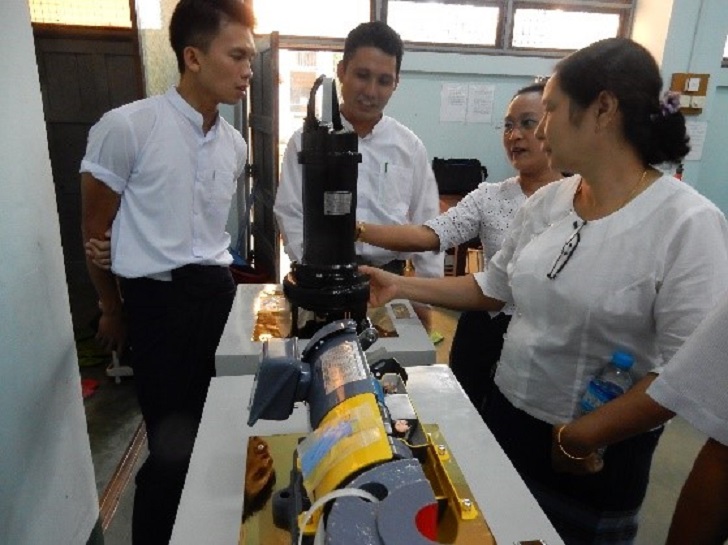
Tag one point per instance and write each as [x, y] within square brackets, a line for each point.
[640, 280]
[395, 186]
[176, 184]
[486, 212]
[694, 383]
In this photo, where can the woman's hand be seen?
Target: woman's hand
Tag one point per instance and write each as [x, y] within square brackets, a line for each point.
[567, 459]
[382, 285]
[99, 251]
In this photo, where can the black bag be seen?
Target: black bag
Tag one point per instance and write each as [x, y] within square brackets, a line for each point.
[458, 176]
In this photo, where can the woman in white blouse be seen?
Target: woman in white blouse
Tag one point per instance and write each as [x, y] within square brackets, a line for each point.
[487, 213]
[619, 257]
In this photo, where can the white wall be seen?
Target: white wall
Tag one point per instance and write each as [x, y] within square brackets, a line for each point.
[416, 102]
[651, 25]
[47, 489]
[695, 41]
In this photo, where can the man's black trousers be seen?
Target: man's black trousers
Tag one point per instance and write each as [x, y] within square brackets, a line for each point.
[174, 331]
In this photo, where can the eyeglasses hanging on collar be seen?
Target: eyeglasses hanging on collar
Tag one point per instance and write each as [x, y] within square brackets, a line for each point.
[567, 250]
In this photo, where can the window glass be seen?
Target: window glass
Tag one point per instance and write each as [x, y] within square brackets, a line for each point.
[598, 1]
[160, 62]
[725, 49]
[297, 72]
[109, 13]
[449, 23]
[319, 18]
[561, 29]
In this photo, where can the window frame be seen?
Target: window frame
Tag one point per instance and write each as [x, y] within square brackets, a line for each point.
[314, 43]
[74, 25]
[456, 48]
[504, 31]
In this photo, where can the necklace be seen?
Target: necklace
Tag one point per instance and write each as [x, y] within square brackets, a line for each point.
[632, 194]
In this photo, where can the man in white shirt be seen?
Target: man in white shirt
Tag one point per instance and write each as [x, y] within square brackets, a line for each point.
[395, 183]
[161, 173]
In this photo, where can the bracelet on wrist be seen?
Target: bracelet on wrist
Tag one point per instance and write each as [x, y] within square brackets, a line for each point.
[561, 447]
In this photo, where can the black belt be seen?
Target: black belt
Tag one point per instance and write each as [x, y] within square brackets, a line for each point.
[192, 272]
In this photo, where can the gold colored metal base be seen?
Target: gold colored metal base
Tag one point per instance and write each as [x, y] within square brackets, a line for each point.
[273, 316]
[259, 529]
[462, 521]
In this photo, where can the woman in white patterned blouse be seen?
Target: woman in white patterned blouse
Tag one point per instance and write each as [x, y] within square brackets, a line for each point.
[486, 213]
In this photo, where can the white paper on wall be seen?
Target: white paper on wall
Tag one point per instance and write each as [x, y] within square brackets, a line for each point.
[453, 102]
[696, 131]
[480, 103]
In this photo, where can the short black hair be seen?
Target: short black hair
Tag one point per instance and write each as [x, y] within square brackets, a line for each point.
[537, 87]
[197, 22]
[374, 34]
[628, 71]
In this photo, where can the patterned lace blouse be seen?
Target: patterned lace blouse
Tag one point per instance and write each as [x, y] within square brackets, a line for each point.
[487, 213]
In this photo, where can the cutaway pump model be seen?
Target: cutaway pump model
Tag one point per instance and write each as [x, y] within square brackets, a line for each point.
[369, 473]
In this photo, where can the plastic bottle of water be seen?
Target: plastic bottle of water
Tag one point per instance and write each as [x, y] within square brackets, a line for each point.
[612, 381]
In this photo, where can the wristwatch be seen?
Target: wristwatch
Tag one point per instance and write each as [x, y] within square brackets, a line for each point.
[360, 230]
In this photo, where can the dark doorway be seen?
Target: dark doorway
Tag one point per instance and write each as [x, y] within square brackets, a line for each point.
[264, 152]
[83, 73]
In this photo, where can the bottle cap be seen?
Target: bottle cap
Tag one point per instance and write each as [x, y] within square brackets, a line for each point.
[623, 360]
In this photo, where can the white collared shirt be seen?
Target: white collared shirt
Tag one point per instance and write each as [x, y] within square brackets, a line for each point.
[640, 280]
[176, 184]
[395, 186]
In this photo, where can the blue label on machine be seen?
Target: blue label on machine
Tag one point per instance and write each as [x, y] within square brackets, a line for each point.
[321, 443]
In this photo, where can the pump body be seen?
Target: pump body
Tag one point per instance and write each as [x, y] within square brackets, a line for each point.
[327, 281]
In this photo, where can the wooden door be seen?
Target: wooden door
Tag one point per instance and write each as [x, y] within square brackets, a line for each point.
[263, 122]
[83, 74]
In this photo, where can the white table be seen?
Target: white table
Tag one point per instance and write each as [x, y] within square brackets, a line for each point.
[238, 354]
[211, 505]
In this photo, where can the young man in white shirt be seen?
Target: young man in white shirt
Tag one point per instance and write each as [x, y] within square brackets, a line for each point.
[161, 173]
[395, 182]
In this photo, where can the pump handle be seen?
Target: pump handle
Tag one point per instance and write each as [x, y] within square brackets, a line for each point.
[311, 122]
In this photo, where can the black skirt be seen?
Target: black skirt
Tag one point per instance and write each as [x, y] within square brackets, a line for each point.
[593, 509]
[475, 351]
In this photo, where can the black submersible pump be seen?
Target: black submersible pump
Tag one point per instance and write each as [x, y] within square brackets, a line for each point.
[327, 281]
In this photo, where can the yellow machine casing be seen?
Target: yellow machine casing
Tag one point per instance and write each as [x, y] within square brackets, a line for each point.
[350, 438]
